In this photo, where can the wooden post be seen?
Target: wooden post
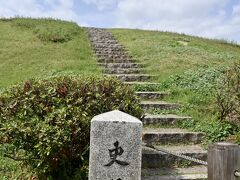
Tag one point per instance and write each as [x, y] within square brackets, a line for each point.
[223, 161]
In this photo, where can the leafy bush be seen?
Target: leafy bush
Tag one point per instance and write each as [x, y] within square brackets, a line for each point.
[201, 80]
[49, 30]
[238, 137]
[228, 96]
[47, 121]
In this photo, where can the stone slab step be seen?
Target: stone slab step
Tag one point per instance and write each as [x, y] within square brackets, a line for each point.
[107, 48]
[171, 136]
[136, 83]
[122, 70]
[152, 95]
[115, 60]
[106, 45]
[168, 119]
[111, 53]
[97, 37]
[121, 65]
[105, 40]
[158, 105]
[191, 173]
[132, 77]
[156, 159]
[106, 51]
[113, 56]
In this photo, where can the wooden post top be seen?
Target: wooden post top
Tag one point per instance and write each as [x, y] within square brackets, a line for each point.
[223, 146]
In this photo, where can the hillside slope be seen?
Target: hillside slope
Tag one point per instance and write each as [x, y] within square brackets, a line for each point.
[188, 67]
[37, 47]
[166, 53]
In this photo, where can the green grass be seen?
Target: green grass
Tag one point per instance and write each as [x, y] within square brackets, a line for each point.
[166, 53]
[42, 47]
[190, 68]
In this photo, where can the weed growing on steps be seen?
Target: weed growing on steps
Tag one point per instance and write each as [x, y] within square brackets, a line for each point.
[146, 87]
[178, 111]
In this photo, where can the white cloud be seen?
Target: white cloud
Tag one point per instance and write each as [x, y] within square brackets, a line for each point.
[207, 18]
[171, 9]
[236, 14]
[61, 9]
[102, 5]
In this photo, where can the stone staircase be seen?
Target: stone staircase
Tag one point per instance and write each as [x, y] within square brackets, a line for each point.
[155, 165]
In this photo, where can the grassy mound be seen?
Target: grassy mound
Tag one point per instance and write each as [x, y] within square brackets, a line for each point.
[41, 47]
[166, 54]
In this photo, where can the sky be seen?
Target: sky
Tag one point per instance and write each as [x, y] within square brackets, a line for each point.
[207, 18]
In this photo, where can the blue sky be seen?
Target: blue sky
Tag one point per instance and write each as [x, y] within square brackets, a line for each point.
[209, 18]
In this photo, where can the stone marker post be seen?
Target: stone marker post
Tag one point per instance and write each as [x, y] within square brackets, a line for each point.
[115, 147]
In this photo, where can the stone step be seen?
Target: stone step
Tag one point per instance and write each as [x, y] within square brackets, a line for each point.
[136, 83]
[190, 173]
[152, 95]
[106, 45]
[159, 105]
[171, 136]
[132, 77]
[115, 60]
[104, 40]
[112, 53]
[156, 159]
[107, 52]
[168, 119]
[107, 41]
[121, 65]
[101, 37]
[97, 47]
[119, 58]
[113, 56]
[122, 70]
[108, 48]
[104, 51]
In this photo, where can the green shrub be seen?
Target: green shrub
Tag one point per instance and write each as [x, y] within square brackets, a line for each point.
[228, 96]
[56, 32]
[238, 137]
[49, 30]
[47, 121]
